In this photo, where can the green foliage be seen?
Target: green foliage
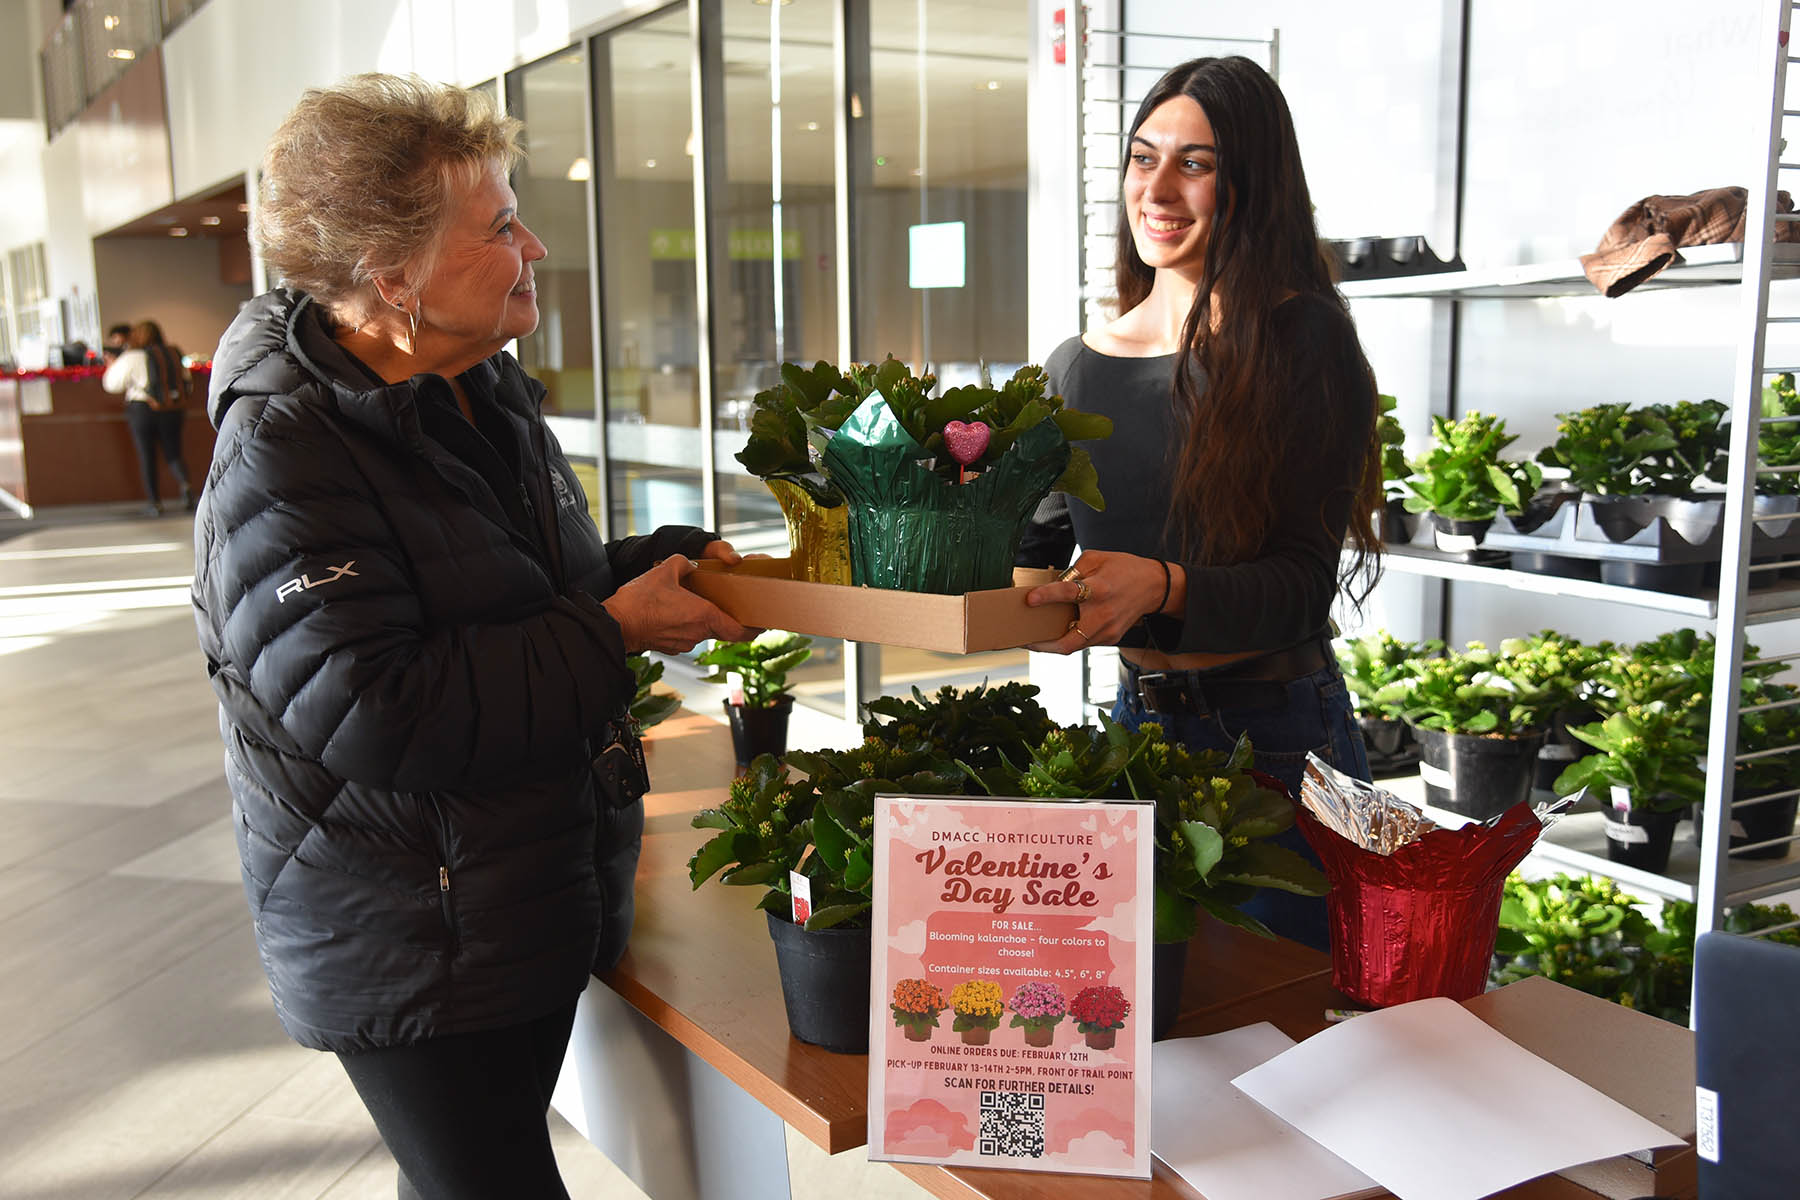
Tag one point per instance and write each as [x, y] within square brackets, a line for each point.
[1587, 934]
[1550, 666]
[1778, 444]
[1376, 661]
[1213, 818]
[1699, 430]
[1393, 442]
[647, 706]
[1473, 691]
[1650, 750]
[761, 665]
[1463, 478]
[1604, 446]
[792, 419]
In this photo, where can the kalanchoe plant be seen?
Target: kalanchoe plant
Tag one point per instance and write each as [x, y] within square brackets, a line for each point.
[1552, 667]
[1778, 442]
[761, 664]
[1605, 446]
[978, 1004]
[1393, 446]
[788, 421]
[1213, 817]
[1463, 478]
[916, 1005]
[649, 707]
[1467, 692]
[1699, 430]
[1648, 750]
[1373, 662]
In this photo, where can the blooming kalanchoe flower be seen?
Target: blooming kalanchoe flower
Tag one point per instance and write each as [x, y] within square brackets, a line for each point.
[1096, 1009]
[1038, 1002]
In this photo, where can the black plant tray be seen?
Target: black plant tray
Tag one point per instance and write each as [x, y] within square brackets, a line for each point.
[1659, 530]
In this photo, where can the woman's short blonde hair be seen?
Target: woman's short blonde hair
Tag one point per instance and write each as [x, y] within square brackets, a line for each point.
[362, 179]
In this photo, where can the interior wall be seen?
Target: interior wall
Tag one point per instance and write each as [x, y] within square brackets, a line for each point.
[172, 281]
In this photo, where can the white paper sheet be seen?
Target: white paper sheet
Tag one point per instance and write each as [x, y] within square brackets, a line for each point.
[1432, 1103]
[1225, 1144]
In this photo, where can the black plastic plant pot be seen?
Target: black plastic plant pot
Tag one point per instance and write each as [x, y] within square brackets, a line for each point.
[1397, 525]
[1563, 566]
[824, 984]
[1681, 578]
[1474, 774]
[757, 731]
[1621, 518]
[1640, 837]
[1391, 747]
[1458, 537]
[1751, 824]
[1540, 508]
[1168, 964]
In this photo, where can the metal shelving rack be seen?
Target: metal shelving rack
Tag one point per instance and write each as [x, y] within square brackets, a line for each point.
[1713, 877]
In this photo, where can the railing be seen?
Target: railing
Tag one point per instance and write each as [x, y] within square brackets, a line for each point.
[96, 42]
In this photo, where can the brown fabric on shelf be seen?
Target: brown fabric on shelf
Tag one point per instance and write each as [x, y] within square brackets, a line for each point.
[1646, 237]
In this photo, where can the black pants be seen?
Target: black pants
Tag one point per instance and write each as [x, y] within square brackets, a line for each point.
[153, 430]
[464, 1115]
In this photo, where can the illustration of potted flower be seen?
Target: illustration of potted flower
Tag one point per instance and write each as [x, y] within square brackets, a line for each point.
[978, 1006]
[1100, 1013]
[917, 1003]
[1037, 1007]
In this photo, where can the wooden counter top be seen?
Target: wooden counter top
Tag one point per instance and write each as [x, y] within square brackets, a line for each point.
[701, 964]
[702, 967]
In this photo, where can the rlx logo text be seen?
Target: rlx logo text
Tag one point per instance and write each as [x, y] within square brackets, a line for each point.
[304, 582]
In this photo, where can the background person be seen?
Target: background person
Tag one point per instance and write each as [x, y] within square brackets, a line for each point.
[151, 375]
[418, 638]
[117, 337]
[1243, 446]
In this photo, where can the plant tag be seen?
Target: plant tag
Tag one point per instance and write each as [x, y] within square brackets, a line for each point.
[1738, 831]
[1621, 798]
[801, 888]
[1435, 776]
[1557, 752]
[1627, 835]
[1706, 1124]
[1456, 543]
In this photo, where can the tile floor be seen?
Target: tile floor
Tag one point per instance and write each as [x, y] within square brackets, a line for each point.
[139, 1054]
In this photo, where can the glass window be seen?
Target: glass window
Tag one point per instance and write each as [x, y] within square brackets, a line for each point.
[551, 97]
[941, 247]
[651, 331]
[778, 301]
[941, 224]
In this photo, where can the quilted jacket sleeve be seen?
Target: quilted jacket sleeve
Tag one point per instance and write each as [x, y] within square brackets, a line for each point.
[315, 625]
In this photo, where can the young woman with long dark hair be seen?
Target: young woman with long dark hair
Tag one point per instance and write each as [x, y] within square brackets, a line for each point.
[1243, 451]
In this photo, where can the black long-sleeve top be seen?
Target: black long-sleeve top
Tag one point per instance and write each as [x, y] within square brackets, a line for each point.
[1283, 595]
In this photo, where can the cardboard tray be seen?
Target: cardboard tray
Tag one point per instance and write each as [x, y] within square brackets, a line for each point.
[761, 592]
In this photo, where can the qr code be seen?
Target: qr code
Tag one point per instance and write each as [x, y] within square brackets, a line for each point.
[1012, 1124]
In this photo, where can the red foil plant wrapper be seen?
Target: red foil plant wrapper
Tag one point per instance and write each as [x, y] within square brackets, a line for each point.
[1414, 907]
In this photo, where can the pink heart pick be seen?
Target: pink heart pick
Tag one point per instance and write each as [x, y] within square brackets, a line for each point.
[966, 442]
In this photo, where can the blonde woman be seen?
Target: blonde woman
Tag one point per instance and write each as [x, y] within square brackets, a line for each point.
[418, 638]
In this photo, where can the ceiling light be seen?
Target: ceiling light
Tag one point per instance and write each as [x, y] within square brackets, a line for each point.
[580, 171]
[178, 231]
[124, 55]
[209, 220]
[812, 127]
[109, 21]
[243, 208]
[992, 85]
[650, 162]
[765, 3]
[917, 171]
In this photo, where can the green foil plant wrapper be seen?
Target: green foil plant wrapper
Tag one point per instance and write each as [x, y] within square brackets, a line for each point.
[911, 529]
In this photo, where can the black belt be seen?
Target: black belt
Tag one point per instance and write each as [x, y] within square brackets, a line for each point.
[1252, 683]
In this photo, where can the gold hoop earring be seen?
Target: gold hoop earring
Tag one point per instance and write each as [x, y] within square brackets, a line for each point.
[412, 319]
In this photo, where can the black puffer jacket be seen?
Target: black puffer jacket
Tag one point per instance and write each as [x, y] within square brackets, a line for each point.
[415, 677]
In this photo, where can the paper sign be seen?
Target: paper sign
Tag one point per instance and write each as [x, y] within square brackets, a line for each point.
[1227, 1145]
[1424, 1098]
[1010, 990]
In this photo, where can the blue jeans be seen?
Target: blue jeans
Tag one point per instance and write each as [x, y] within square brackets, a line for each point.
[1315, 718]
